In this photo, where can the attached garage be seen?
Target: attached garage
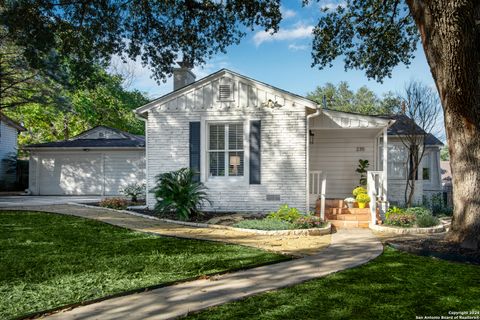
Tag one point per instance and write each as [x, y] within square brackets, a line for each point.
[99, 161]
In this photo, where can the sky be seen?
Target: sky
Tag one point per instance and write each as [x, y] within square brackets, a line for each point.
[284, 59]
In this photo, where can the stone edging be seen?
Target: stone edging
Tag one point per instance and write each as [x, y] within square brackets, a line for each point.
[297, 232]
[398, 230]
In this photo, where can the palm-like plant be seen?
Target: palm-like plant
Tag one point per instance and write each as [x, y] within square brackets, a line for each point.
[177, 191]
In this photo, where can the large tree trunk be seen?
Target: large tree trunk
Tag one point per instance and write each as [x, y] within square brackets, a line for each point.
[450, 32]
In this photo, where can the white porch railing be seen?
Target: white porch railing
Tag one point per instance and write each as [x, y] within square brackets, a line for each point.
[317, 186]
[377, 190]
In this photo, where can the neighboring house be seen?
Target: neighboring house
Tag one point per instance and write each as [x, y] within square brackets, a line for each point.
[97, 162]
[447, 186]
[9, 131]
[428, 181]
[256, 146]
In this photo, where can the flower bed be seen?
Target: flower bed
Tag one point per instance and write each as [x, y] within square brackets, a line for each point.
[410, 221]
[284, 220]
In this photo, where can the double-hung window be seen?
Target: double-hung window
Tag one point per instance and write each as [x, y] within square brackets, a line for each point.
[225, 150]
[397, 161]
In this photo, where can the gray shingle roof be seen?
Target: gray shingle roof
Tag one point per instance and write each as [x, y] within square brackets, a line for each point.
[130, 141]
[404, 125]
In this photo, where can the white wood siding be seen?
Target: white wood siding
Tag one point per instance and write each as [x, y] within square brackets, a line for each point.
[283, 154]
[336, 153]
[8, 145]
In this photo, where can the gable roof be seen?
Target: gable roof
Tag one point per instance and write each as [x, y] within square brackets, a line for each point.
[128, 140]
[404, 125]
[11, 123]
[152, 104]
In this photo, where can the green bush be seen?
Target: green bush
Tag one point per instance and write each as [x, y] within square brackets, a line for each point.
[285, 213]
[427, 220]
[359, 190]
[134, 191]
[178, 192]
[114, 203]
[400, 219]
[265, 224]
[418, 211]
[393, 210]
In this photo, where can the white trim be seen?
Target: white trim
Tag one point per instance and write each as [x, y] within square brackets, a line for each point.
[226, 181]
[307, 157]
[296, 99]
[145, 122]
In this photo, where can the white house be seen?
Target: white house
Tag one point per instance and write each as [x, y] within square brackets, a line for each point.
[256, 146]
[9, 131]
[99, 161]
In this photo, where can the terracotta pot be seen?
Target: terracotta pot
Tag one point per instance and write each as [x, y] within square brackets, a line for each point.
[361, 205]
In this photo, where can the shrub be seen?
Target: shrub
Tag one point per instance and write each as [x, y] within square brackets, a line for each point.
[418, 211]
[363, 198]
[427, 220]
[400, 219]
[309, 221]
[178, 192]
[114, 203]
[393, 210]
[265, 224]
[134, 191]
[285, 213]
[359, 190]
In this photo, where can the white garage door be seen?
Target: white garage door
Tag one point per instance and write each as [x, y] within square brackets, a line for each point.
[70, 174]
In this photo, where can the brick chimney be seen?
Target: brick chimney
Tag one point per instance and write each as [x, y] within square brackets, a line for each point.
[183, 76]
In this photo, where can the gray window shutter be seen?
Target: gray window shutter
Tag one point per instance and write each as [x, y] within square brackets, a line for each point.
[255, 151]
[195, 149]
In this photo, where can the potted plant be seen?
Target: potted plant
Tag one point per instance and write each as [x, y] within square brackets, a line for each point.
[349, 201]
[362, 199]
[358, 190]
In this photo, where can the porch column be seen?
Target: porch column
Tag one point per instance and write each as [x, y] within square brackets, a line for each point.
[385, 164]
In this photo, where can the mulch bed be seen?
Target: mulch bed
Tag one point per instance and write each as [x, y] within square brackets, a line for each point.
[435, 246]
[200, 218]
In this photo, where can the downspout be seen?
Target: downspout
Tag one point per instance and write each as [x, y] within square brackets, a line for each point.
[318, 112]
[145, 121]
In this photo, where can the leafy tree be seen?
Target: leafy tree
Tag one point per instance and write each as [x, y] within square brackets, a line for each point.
[364, 101]
[377, 35]
[444, 155]
[20, 83]
[156, 32]
[107, 104]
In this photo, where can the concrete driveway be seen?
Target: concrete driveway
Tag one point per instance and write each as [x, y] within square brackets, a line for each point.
[16, 201]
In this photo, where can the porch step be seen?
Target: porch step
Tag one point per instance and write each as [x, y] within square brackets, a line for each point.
[347, 211]
[346, 224]
[349, 217]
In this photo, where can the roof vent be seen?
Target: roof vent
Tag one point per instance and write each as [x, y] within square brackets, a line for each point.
[225, 92]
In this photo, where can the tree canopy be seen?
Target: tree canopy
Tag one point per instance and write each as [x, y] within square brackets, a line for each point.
[159, 33]
[107, 104]
[340, 97]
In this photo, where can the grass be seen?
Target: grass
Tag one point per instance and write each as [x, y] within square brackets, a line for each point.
[396, 285]
[49, 260]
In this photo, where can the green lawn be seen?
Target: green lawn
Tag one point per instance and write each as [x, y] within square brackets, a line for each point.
[394, 286]
[49, 260]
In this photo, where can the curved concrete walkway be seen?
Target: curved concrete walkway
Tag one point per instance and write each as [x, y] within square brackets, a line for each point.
[348, 249]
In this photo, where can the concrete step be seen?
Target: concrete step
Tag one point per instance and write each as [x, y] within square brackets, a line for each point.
[346, 224]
